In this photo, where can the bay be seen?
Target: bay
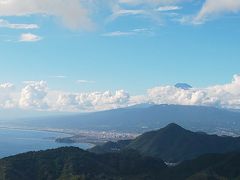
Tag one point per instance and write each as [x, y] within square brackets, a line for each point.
[14, 141]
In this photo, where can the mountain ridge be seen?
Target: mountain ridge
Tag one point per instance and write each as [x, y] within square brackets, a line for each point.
[174, 144]
[69, 163]
[140, 120]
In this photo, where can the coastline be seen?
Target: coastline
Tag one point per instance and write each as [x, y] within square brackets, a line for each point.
[38, 130]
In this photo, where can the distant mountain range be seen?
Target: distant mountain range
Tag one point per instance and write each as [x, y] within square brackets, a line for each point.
[146, 117]
[173, 144]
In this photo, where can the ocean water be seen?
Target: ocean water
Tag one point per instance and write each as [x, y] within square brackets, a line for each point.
[14, 141]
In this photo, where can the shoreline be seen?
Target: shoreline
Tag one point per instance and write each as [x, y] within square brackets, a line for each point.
[76, 137]
[49, 131]
[37, 130]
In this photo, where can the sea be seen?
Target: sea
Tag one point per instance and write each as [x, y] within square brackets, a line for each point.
[15, 141]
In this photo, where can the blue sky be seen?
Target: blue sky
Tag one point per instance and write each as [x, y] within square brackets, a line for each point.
[119, 44]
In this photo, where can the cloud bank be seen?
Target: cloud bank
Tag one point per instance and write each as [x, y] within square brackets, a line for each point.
[37, 96]
[71, 13]
[79, 14]
[225, 96]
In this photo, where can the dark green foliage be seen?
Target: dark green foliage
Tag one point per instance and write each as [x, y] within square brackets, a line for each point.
[110, 147]
[73, 163]
[210, 166]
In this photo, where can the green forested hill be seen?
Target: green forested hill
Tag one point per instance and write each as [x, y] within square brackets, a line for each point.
[201, 156]
[72, 163]
[174, 144]
[207, 167]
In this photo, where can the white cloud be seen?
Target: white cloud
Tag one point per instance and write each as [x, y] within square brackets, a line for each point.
[118, 33]
[83, 81]
[118, 11]
[72, 14]
[150, 2]
[173, 95]
[76, 14]
[210, 9]
[33, 96]
[6, 24]
[168, 8]
[124, 12]
[151, 9]
[94, 101]
[37, 96]
[58, 77]
[7, 96]
[29, 37]
[6, 86]
[141, 31]
[227, 96]
[28, 82]
[213, 8]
